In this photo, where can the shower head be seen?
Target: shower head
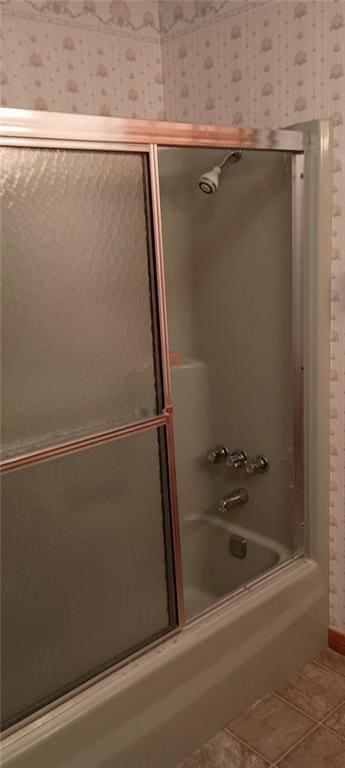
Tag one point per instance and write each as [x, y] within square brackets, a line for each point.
[209, 181]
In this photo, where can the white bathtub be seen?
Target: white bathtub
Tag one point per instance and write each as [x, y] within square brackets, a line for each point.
[161, 706]
[210, 569]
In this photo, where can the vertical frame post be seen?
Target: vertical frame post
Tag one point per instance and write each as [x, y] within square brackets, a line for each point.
[168, 408]
[297, 207]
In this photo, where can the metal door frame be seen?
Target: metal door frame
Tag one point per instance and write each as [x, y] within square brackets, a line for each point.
[28, 128]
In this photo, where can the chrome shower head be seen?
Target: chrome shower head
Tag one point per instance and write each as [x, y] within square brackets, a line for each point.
[209, 181]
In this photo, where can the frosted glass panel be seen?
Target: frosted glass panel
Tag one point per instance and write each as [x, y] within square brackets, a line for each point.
[229, 278]
[84, 569]
[77, 348]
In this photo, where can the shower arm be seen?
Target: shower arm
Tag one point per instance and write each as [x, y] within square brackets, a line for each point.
[225, 159]
[233, 153]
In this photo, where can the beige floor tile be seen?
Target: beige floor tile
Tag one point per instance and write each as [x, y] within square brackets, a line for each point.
[315, 690]
[337, 722]
[321, 749]
[224, 751]
[271, 726]
[332, 660]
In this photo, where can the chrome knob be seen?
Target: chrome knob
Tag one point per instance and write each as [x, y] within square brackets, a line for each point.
[259, 464]
[217, 454]
[233, 499]
[236, 459]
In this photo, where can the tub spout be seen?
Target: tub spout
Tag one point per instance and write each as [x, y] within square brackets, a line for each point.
[233, 499]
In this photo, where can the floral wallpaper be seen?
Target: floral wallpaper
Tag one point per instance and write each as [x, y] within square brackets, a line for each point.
[94, 56]
[100, 58]
[176, 17]
[268, 63]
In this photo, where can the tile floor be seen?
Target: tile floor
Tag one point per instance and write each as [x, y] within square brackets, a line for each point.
[301, 725]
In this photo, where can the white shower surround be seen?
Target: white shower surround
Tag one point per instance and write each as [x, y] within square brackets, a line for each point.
[258, 64]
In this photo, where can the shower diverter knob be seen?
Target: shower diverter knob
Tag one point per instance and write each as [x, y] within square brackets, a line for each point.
[236, 459]
[257, 465]
[217, 454]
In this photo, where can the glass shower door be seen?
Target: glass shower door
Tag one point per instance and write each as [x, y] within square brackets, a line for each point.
[233, 317]
[87, 569]
[78, 348]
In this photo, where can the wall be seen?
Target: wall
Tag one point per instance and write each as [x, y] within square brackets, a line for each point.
[89, 57]
[94, 56]
[275, 63]
[263, 63]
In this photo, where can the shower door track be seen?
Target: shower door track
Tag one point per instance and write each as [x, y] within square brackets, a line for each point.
[26, 128]
[23, 124]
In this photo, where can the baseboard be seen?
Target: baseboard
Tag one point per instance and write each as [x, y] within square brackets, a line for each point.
[336, 641]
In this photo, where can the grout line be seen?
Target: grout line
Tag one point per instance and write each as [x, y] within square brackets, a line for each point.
[332, 712]
[319, 664]
[330, 730]
[315, 723]
[245, 744]
[301, 712]
[297, 743]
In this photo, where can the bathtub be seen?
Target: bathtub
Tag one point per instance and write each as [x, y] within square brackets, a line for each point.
[211, 571]
[153, 711]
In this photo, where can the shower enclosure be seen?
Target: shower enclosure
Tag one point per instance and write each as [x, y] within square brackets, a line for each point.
[162, 444]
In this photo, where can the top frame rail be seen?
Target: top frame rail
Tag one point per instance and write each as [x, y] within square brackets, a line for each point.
[23, 125]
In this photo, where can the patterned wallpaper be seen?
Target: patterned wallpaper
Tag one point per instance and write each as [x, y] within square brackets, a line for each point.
[93, 56]
[100, 58]
[176, 17]
[268, 63]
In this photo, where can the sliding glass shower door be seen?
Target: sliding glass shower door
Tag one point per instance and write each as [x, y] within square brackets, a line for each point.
[91, 565]
[87, 572]
[234, 311]
[78, 346]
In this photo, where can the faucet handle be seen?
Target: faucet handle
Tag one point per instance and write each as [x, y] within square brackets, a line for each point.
[217, 454]
[236, 459]
[259, 464]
